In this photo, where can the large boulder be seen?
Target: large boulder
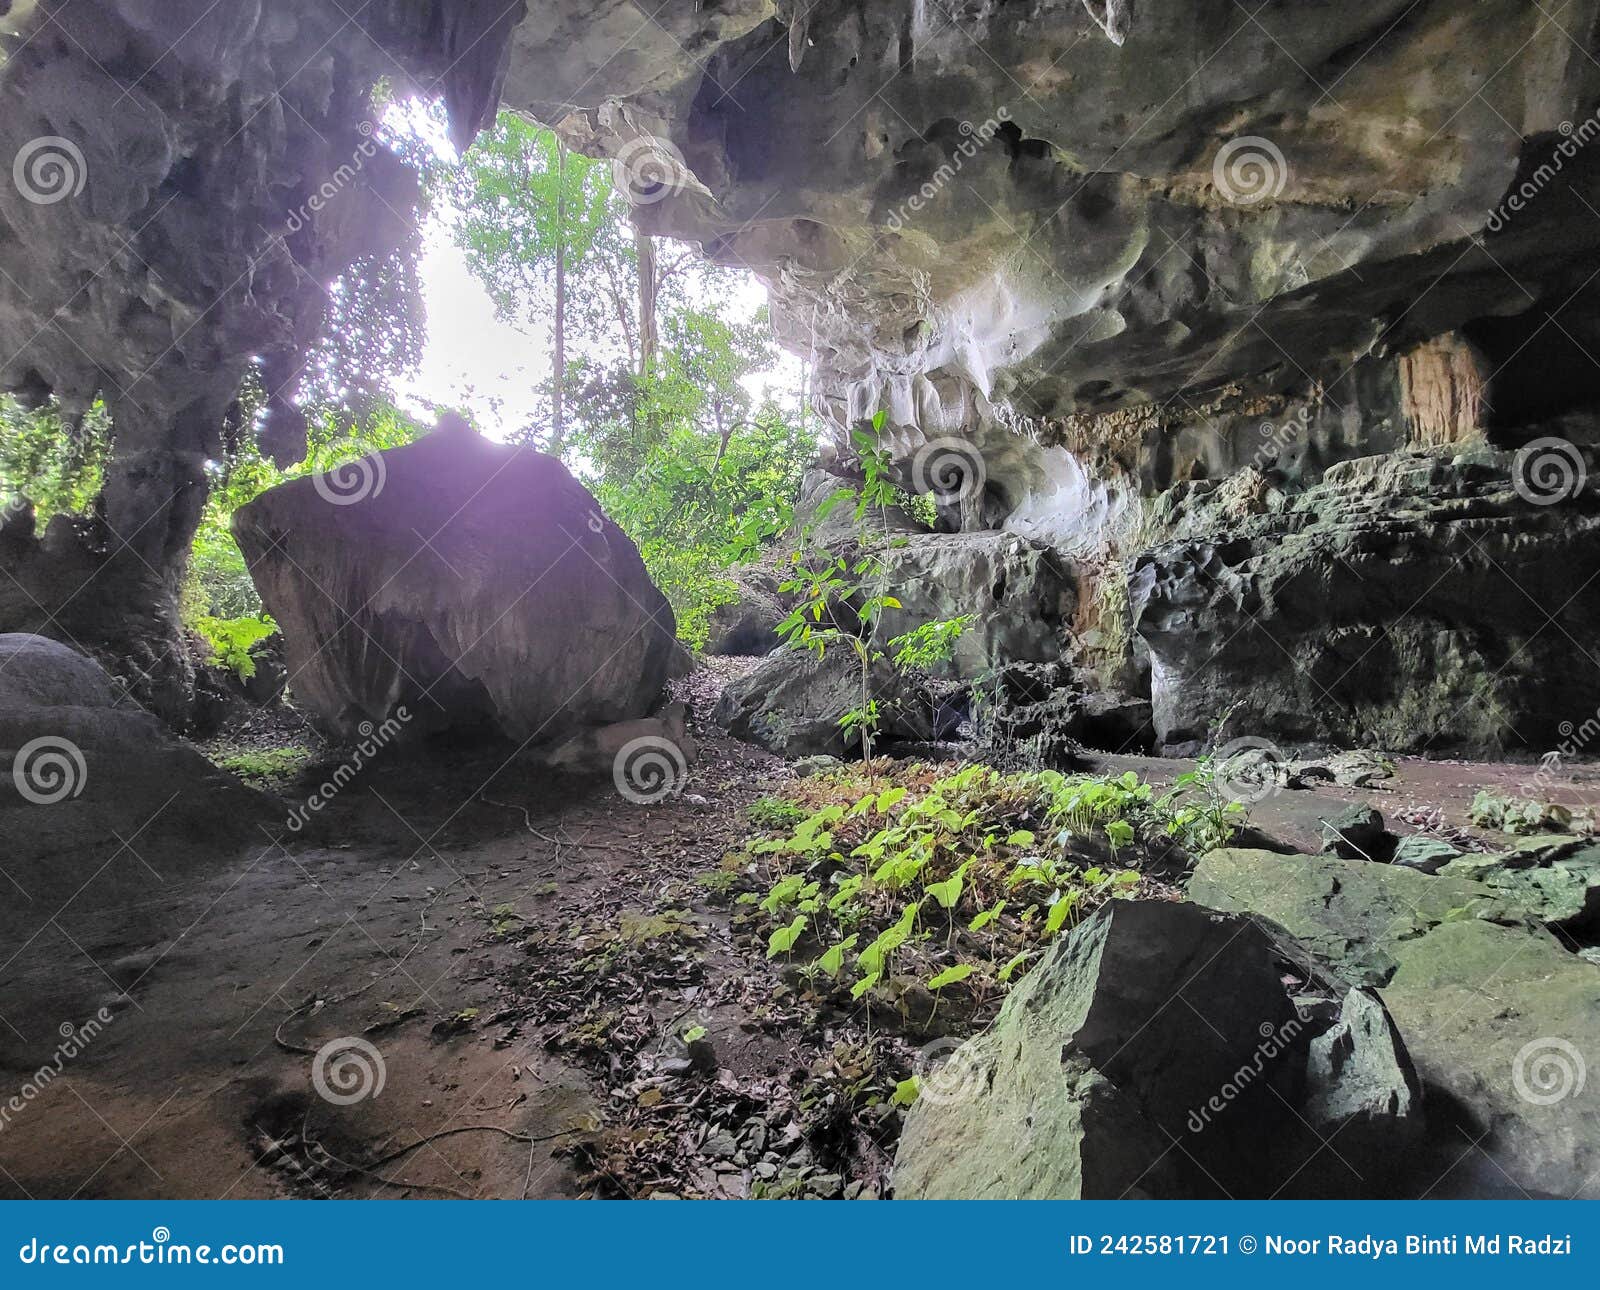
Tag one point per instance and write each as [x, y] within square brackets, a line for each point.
[1153, 1026]
[747, 624]
[1501, 1019]
[470, 583]
[792, 704]
[1507, 1028]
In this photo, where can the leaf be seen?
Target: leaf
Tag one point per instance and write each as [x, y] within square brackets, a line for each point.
[948, 892]
[1009, 968]
[905, 1092]
[866, 983]
[960, 972]
[832, 959]
[782, 940]
[988, 916]
[784, 892]
[1021, 838]
[1058, 912]
[694, 1034]
[1120, 833]
[891, 797]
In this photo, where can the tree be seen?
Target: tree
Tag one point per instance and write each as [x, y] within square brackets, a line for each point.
[537, 224]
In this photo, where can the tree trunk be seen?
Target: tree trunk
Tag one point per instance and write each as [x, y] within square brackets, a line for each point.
[558, 365]
[645, 249]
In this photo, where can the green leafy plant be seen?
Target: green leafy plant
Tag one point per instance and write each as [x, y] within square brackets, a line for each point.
[232, 639]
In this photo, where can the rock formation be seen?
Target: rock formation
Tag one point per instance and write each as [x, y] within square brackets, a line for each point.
[84, 770]
[459, 583]
[1496, 1012]
[1156, 1024]
[1091, 253]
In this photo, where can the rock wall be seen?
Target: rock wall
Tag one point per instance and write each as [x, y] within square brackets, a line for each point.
[1091, 256]
[186, 179]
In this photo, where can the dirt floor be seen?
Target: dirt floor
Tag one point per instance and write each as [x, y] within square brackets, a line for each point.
[536, 990]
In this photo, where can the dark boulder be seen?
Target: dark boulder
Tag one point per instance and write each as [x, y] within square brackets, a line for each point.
[83, 767]
[470, 583]
[748, 624]
[1157, 1024]
[793, 702]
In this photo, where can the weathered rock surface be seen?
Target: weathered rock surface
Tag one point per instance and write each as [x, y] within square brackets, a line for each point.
[82, 766]
[1405, 602]
[792, 703]
[1509, 1026]
[1350, 913]
[1018, 592]
[1044, 714]
[748, 625]
[466, 582]
[1156, 1022]
[1362, 1085]
[1555, 878]
[1423, 853]
[1499, 1017]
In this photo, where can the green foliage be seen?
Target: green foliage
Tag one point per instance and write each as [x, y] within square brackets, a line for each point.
[53, 459]
[1518, 815]
[782, 941]
[266, 767]
[905, 1092]
[841, 600]
[951, 975]
[232, 639]
[692, 498]
[775, 813]
[1195, 813]
[930, 644]
[1011, 860]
